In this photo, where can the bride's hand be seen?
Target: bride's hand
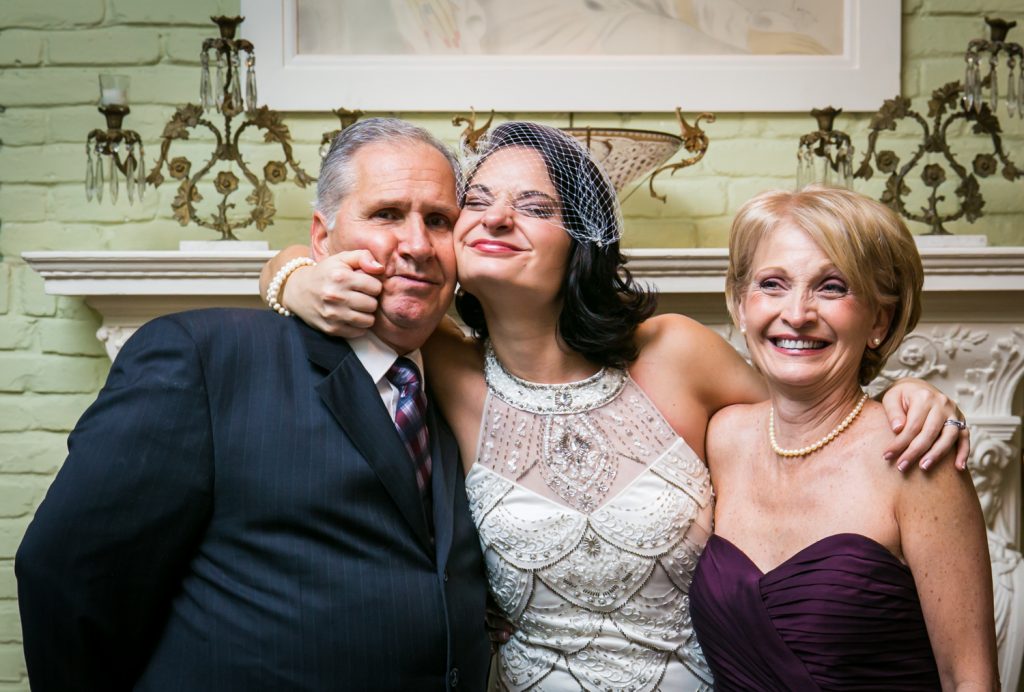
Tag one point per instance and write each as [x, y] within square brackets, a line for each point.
[338, 295]
[918, 414]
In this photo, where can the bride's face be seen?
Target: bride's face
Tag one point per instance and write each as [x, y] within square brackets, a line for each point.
[510, 234]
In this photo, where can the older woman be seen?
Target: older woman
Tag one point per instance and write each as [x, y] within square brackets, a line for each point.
[825, 570]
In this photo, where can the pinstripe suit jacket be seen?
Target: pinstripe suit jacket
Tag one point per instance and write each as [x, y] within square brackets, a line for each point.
[237, 512]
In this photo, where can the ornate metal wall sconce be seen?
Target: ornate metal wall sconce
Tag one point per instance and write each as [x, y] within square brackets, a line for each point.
[832, 147]
[627, 155]
[228, 101]
[110, 153]
[938, 163]
[222, 92]
[993, 47]
[945, 108]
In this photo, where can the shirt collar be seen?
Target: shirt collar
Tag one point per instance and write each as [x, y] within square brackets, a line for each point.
[377, 357]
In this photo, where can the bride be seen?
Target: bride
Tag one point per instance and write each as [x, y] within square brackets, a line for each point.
[580, 421]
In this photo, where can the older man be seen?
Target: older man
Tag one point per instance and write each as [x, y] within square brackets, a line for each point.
[252, 505]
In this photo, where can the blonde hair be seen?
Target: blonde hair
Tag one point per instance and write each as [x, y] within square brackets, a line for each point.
[865, 240]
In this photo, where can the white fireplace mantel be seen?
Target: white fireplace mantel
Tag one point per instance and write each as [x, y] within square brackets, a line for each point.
[970, 344]
[128, 288]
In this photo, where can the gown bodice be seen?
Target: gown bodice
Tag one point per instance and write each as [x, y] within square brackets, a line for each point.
[841, 614]
[592, 514]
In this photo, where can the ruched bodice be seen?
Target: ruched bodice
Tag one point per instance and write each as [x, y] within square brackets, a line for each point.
[592, 514]
[843, 613]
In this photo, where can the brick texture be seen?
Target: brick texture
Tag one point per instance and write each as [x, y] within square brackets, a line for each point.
[52, 15]
[21, 48]
[120, 45]
[5, 287]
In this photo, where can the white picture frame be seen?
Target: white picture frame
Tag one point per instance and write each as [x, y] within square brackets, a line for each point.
[865, 74]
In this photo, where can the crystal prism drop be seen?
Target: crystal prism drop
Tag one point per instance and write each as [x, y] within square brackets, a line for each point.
[1020, 91]
[236, 85]
[98, 178]
[1011, 94]
[205, 97]
[977, 87]
[88, 175]
[219, 85]
[993, 84]
[968, 100]
[142, 173]
[250, 84]
[129, 176]
[115, 176]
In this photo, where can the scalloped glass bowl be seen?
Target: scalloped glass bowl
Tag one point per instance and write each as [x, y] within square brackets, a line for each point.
[627, 155]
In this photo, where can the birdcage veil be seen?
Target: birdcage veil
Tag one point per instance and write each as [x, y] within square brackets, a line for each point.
[589, 208]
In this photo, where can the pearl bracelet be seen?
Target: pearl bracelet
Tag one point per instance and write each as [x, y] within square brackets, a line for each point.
[277, 283]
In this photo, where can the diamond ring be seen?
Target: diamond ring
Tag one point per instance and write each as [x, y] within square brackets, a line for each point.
[958, 423]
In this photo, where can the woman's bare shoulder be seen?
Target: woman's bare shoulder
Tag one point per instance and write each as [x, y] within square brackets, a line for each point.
[873, 435]
[672, 334]
[679, 353]
[732, 432]
[735, 421]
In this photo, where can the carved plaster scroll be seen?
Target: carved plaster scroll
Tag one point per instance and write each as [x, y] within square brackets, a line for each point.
[113, 336]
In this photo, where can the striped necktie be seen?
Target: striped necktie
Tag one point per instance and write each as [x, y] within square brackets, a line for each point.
[411, 420]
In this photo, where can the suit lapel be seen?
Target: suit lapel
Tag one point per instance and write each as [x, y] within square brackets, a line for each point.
[352, 398]
[444, 454]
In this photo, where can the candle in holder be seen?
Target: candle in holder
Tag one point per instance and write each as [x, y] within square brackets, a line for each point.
[114, 89]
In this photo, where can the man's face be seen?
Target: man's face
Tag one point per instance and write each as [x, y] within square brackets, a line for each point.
[402, 208]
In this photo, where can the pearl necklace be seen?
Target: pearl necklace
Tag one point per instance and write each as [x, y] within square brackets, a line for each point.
[810, 449]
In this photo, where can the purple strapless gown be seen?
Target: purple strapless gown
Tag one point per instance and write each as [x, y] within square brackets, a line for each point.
[843, 613]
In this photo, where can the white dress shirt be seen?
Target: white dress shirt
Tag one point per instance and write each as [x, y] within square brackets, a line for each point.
[377, 358]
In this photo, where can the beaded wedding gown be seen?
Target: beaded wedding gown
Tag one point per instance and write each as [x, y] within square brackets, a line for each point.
[592, 514]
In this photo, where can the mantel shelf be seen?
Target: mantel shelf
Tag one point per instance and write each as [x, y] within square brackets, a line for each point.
[86, 273]
[968, 284]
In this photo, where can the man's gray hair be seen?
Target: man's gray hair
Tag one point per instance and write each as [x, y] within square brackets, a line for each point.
[336, 173]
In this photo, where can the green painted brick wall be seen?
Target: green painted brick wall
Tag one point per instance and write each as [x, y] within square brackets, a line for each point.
[51, 365]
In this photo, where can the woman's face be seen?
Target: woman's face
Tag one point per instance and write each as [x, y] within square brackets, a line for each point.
[511, 233]
[804, 327]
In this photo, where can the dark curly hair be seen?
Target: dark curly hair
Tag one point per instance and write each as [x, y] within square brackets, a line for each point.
[602, 305]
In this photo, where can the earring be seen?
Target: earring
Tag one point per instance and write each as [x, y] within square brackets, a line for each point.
[876, 341]
[743, 329]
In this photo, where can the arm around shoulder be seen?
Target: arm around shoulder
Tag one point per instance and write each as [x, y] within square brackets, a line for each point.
[101, 560]
[728, 434]
[674, 347]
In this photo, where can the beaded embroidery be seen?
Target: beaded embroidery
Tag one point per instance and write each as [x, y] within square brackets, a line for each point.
[574, 397]
[596, 584]
[574, 456]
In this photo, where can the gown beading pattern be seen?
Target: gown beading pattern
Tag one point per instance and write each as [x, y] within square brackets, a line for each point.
[592, 515]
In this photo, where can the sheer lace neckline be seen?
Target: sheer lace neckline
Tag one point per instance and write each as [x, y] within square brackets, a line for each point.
[533, 397]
